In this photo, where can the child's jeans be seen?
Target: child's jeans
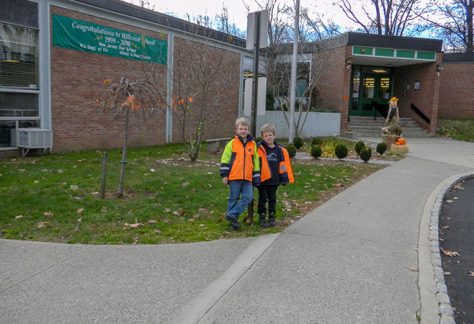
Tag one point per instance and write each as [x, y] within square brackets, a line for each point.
[235, 207]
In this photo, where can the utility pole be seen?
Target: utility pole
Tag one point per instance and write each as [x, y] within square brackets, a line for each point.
[294, 65]
[253, 126]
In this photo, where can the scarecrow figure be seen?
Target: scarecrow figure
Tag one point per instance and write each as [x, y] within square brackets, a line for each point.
[393, 118]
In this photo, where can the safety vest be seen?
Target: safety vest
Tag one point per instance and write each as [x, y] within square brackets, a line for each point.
[284, 168]
[240, 161]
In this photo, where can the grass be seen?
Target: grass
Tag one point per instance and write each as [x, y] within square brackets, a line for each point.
[167, 199]
[460, 129]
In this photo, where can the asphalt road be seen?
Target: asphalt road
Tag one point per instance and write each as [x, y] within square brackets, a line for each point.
[457, 235]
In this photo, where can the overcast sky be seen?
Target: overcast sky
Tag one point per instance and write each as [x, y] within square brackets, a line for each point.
[237, 10]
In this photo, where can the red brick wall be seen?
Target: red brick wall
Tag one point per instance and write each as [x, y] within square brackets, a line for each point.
[217, 70]
[425, 98]
[76, 77]
[334, 82]
[456, 93]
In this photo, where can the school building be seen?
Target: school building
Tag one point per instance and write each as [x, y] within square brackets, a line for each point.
[56, 54]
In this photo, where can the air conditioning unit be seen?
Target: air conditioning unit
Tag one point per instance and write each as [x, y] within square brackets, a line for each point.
[34, 138]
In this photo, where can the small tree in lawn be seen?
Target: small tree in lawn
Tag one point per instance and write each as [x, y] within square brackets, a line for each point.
[122, 97]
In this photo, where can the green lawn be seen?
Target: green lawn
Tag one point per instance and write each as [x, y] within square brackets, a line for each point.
[167, 199]
[460, 129]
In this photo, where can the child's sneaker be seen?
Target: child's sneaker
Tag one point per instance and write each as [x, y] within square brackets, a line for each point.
[234, 223]
[262, 221]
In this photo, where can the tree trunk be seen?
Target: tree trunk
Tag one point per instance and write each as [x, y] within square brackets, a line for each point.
[124, 156]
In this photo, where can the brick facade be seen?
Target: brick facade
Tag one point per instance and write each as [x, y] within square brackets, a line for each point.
[425, 98]
[334, 83]
[209, 68]
[456, 95]
[76, 77]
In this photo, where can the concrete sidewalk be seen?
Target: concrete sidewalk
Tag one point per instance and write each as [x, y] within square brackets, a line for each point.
[359, 258]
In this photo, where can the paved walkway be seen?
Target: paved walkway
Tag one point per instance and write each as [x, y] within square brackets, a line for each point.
[362, 257]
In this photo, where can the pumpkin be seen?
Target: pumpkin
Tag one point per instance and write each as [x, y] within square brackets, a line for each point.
[401, 141]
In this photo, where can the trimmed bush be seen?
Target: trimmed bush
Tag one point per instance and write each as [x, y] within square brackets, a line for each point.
[291, 150]
[366, 154]
[316, 151]
[258, 139]
[317, 141]
[381, 148]
[359, 146]
[340, 151]
[298, 142]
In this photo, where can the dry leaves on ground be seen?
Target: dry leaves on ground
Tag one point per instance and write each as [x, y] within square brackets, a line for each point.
[458, 186]
[48, 214]
[449, 253]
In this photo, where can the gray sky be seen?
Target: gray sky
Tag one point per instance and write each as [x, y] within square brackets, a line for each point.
[236, 8]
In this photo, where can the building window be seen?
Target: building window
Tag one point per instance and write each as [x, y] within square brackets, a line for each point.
[18, 56]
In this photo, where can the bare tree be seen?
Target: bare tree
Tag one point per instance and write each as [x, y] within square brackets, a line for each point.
[278, 57]
[319, 27]
[122, 97]
[201, 78]
[453, 21]
[146, 4]
[223, 24]
[309, 72]
[384, 17]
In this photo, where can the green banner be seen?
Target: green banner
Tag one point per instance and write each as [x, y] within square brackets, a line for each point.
[84, 36]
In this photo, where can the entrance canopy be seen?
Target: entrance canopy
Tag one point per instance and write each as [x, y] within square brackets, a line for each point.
[392, 51]
[390, 57]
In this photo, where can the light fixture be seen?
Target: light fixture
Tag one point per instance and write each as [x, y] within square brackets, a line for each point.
[439, 69]
[379, 71]
[348, 63]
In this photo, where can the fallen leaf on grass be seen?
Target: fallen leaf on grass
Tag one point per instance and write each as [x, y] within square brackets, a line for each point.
[151, 221]
[449, 253]
[179, 212]
[80, 210]
[134, 225]
[19, 217]
[42, 224]
[48, 214]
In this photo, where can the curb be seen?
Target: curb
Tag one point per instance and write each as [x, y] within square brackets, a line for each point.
[444, 303]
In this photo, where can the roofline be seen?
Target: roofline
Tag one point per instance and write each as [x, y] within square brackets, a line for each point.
[401, 42]
[131, 10]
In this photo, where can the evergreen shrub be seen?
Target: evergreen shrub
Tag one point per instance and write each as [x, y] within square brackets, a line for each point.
[291, 150]
[317, 141]
[359, 146]
[298, 142]
[381, 148]
[366, 154]
[340, 151]
[316, 151]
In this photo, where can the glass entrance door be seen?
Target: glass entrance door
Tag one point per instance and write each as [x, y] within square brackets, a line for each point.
[370, 91]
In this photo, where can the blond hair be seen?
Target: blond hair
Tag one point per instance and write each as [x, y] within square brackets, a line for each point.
[268, 128]
[242, 121]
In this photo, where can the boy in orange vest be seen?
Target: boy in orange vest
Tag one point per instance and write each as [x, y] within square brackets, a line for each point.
[275, 170]
[240, 168]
